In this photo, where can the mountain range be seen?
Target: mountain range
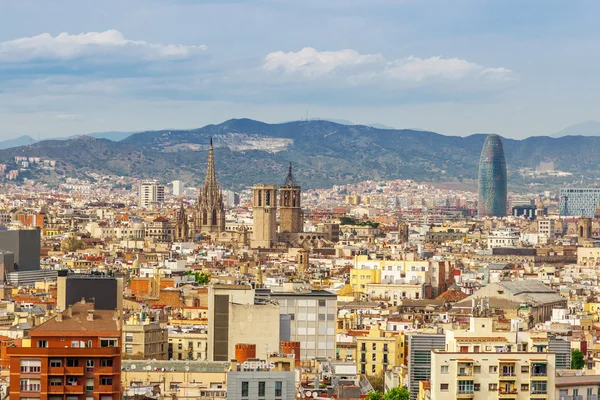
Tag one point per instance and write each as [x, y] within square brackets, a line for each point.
[323, 153]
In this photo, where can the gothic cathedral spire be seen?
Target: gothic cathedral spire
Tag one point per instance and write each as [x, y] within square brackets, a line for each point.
[210, 213]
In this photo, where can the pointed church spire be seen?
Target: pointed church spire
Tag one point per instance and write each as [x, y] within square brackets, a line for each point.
[289, 179]
[211, 178]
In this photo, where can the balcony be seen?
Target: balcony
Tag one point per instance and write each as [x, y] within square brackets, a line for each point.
[56, 371]
[74, 371]
[504, 393]
[71, 389]
[465, 374]
[107, 388]
[56, 389]
[30, 388]
[465, 394]
[105, 370]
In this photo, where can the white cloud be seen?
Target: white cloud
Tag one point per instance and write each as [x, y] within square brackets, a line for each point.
[65, 46]
[363, 68]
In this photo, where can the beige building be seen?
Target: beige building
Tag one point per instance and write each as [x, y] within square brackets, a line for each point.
[291, 218]
[144, 339]
[378, 351]
[588, 256]
[481, 363]
[188, 345]
[265, 216]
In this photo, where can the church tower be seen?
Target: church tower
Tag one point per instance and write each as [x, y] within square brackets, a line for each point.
[210, 212]
[264, 207]
[291, 218]
[182, 227]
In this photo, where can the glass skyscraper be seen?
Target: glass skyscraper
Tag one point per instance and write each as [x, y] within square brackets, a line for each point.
[492, 179]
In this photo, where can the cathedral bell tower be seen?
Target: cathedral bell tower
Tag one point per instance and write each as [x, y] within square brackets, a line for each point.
[264, 208]
[291, 218]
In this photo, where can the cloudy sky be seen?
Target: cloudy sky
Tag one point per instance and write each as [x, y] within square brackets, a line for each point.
[517, 68]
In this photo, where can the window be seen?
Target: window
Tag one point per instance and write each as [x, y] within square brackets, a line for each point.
[524, 369]
[525, 387]
[106, 380]
[75, 343]
[444, 369]
[245, 389]
[42, 343]
[385, 347]
[89, 343]
[374, 346]
[55, 363]
[174, 386]
[477, 387]
[129, 349]
[179, 346]
[373, 368]
[109, 342]
[493, 387]
[465, 386]
[89, 384]
[292, 317]
[89, 365]
[30, 385]
[477, 369]
[106, 362]
[373, 356]
[321, 303]
[321, 317]
[72, 381]
[55, 381]
[261, 389]
[278, 389]
[444, 387]
[72, 362]
[129, 337]
[31, 366]
[493, 369]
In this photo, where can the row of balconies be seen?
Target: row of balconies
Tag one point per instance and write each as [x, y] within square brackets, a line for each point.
[81, 370]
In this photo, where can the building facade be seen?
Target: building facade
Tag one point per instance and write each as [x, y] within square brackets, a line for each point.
[152, 194]
[492, 179]
[144, 339]
[264, 208]
[76, 355]
[578, 202]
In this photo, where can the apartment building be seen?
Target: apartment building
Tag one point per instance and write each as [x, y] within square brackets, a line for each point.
[377, 351]
[74, 356]
[144, 339]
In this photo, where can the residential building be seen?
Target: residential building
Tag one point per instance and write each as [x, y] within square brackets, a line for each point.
[188, 344]
[144, 339]
[151, 194]
[268, 380]
[377, 351]
[76, 354]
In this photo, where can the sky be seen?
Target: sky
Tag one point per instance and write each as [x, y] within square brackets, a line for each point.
[513, 67]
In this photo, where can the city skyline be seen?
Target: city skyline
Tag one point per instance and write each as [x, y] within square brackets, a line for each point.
[394, 63]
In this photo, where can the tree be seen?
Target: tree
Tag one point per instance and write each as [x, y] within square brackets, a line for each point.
[374, 395]
[201, 278]
[577, 361]
[71, 244]
[397, 393]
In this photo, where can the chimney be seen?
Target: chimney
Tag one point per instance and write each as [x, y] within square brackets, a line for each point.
[58, 315]
[90, 315]
[69, 311]
[83, 300]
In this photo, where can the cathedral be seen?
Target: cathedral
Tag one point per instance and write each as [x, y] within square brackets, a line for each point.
[210, 210]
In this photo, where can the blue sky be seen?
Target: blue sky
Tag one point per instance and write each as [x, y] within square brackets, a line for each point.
[513, 67]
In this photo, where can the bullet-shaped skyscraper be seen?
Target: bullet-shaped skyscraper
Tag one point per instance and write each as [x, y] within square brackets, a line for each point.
[492, 179]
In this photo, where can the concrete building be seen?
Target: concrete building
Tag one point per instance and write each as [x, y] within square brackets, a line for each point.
[144, 339]
[151, 194]
[7, 264]
[268, 380]
[235, 317]
[312, 319]
[264, 208]
[420, 346]
[25, 246]
[105, 291]
[547, 227]
[177, 188]
[77, 354]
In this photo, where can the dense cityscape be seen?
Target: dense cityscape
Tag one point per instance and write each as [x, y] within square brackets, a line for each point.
[391, 288]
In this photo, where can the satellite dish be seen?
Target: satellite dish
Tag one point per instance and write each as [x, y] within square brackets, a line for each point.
[314, 395]
[187, 368]
[148, 368]
[133, 367]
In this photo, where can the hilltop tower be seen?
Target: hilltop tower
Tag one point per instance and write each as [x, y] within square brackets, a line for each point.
[265, 216]
[290, 212]
[210, 212]
[492, 179]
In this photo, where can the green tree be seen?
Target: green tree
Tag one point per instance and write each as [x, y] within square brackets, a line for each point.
[374, 395]
[397, 393]
[577, 361]
[201, 278]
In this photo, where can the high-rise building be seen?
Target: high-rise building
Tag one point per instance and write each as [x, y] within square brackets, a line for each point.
[25, 246]
[579, 202]
[151, 194]
[75, 355]
[177, 188]
[492, 179]
[290, 211]
[420, 346]
[264, 208]
[210, 213]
